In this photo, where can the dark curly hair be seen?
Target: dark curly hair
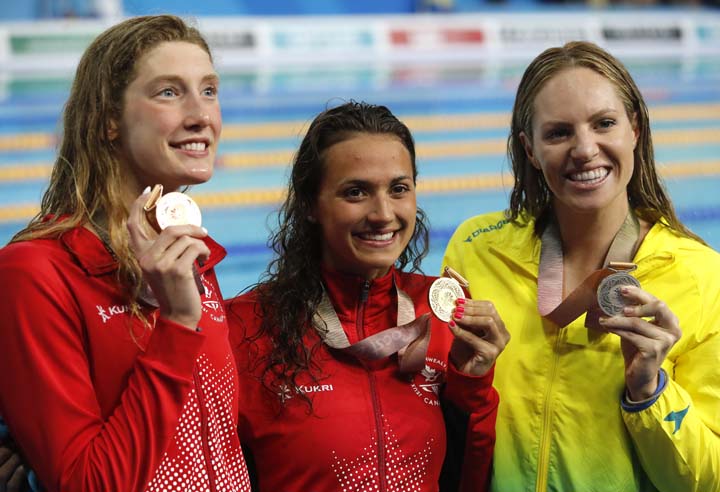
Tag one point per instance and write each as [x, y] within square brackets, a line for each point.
[291, 288]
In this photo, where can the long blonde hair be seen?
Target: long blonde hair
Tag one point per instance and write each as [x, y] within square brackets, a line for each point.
[85, 184]
[531, 195]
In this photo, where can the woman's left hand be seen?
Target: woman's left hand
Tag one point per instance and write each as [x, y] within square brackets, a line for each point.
[645, 342]
[480, 336]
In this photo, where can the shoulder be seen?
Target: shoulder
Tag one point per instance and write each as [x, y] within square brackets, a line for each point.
[494, 229]
[684, 273]
[687, 253]
[34, 257]
[494, 226]
[39, 276]
[702, 261]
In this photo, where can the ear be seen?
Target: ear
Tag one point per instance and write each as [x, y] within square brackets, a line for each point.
[113, 132]
[527, 145]
[312, 216]
[636, 130]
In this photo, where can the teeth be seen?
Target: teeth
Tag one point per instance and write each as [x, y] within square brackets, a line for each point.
[193, 146]
[378, 237]
[594, 175]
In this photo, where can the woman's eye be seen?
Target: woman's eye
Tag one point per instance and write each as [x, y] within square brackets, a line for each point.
[167, 92]
[353, 192]
[210, 91]
[606, 123]
[556, 133]
[400, 189]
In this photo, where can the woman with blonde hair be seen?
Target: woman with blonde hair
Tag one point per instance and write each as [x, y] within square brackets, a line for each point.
[118, 372]
[611, 382]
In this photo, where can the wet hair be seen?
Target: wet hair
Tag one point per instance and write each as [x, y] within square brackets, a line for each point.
[530, 195]
[292, 288]
[85, 184]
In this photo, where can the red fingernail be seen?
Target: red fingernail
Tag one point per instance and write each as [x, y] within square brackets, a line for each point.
[460, 300]
[452, 323]
[459, 309]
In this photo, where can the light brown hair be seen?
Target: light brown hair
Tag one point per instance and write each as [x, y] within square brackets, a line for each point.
[531, 195]
[85, 184]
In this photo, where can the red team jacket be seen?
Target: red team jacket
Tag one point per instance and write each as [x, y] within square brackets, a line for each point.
[371, 428]
[97, 402]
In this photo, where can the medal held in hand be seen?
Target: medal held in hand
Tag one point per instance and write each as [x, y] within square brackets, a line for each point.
[444, 292]
[609, 297]
[167, 210]
[173, 208]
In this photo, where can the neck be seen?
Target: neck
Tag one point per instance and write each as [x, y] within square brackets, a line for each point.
[365, 274]
[587, 236]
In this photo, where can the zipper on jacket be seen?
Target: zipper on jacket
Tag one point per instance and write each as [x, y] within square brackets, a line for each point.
[204, 433]
[544, 453]
[377, 409]
[364, 293]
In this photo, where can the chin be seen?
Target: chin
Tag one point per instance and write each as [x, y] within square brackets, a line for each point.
[198, 176]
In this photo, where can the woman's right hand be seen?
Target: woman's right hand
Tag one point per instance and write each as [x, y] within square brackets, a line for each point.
[167, 260]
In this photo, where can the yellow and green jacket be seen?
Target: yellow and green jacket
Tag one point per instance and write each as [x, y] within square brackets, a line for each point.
[560, 424]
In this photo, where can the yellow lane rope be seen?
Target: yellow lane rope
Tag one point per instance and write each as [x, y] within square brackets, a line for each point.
[447, 122]
[435, 150]
[462, 183]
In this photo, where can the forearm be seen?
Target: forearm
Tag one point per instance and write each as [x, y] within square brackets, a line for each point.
[477, 397]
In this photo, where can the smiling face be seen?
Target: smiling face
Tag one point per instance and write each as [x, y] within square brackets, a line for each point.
[583, 142]
[171, 119]
[366, 204]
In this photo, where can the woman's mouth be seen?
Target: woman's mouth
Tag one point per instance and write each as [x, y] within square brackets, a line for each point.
[369, 236]
[589, 177]
[194, 146]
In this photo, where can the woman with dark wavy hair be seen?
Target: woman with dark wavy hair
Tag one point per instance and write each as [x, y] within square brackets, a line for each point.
[332, 407]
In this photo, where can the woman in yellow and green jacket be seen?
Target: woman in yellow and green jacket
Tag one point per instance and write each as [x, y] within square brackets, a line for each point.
[626, 401]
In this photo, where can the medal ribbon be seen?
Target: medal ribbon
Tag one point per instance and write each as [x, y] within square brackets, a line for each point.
[409, 339]
[583, 299]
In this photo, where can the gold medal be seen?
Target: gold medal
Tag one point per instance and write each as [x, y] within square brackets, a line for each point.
[443, 293]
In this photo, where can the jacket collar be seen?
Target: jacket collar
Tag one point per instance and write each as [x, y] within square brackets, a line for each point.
[92, 255]
[520, 246]
[346, 292]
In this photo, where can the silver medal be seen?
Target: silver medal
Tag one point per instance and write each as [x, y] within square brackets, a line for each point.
[177, 209]
[443, 293]
[609, 297]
